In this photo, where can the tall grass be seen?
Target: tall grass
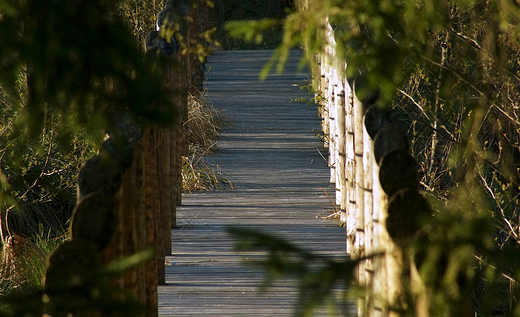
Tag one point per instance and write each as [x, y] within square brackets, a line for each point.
[23, 261]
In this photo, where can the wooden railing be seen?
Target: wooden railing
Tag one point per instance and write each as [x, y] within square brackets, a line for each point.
[375, 180]
[128, 194]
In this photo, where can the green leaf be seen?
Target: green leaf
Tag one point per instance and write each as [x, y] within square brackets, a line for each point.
[123, 264]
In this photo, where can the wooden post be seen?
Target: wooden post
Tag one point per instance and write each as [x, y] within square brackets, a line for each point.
[164, 157]
[130, 235]
[378, 201]
[323, 91]
[173, 170]
[317, 84]
[162, 214]
[341, 180]
[151, 203]
[199, 22]
[128, 211]
[358, 191]
[331, 108]
[177, 83]
[125, 203]
[180, 102]
[338, 67]
[351, 176]
[138, 175]
[360, 177]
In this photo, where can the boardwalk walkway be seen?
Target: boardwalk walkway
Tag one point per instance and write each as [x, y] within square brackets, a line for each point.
[271, 155]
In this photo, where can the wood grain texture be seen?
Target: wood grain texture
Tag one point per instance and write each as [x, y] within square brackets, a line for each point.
[272, 157]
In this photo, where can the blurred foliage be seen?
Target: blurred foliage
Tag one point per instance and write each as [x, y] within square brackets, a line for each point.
[38, 174]
[94, 295]
[320, 279]
[40, 186]
[57, 84]
[77, 59]
[23, 262]
[451, 69]
[65, 64]
[264, 29]
[141, 17]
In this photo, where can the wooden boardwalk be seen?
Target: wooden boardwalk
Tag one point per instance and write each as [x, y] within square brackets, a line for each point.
[270, 154]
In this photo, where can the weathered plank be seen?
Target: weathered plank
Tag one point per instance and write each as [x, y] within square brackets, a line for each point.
[272, 157]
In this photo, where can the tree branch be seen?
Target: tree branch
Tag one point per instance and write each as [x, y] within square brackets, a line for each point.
[444, 132]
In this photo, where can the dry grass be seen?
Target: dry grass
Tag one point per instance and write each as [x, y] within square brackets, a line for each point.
[22, 264]
[202, 131]
[198, 175]
[203, 125]
[334, 213]
[23, 261]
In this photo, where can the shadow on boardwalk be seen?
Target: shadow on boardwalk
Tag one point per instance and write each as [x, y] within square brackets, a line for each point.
[271, 155]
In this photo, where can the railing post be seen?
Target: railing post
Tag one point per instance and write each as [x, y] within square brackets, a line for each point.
[341, 180]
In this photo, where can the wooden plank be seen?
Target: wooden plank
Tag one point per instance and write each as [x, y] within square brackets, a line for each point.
[280, 183]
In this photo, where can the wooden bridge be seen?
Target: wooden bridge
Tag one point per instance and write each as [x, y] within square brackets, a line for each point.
[280, 177]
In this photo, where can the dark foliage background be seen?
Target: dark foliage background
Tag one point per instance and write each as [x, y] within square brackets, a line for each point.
[256, 10]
